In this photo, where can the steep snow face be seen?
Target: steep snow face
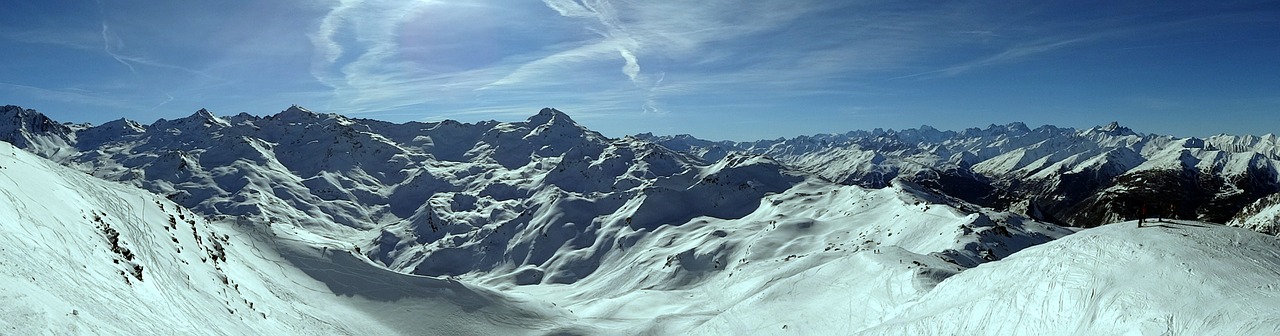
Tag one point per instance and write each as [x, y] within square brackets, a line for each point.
[1262, 215]
[1170, 278]
[79, 255]
[1078, 177]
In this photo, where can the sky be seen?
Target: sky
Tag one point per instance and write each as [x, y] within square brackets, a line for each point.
[717, 69]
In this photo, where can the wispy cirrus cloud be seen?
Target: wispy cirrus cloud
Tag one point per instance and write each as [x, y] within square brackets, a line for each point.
[359, 50]
[76, 96]
[1011, 54]
[657, 62]
[111, 42]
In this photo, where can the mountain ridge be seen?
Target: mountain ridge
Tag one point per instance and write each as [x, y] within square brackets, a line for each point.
[1079, 177]
[1021, 169]
[419, 197]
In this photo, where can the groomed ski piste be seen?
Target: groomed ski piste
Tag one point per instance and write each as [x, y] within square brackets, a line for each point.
[79, 255]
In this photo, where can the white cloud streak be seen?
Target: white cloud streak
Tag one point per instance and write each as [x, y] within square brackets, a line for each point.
[665, 49]
[108, 40]
[1008, 55]
[168, 98]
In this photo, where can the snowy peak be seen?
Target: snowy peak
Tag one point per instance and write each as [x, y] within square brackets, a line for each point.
[296, 113]
[115, 130]
[1018, 127]
[924, 134]
[33, 131]
[18, 119]
[1113, 129]
[126, 125]
[552, 118]
[207, 118]
[548, 115]
[1015, 128]
[196, 122]
[551, 123]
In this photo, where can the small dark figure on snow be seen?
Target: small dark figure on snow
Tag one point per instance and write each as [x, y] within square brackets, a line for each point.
[1142, 215]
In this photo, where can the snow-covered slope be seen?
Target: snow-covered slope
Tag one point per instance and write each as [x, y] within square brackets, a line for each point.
[772, 267]
[79, 255]
[1171, 278]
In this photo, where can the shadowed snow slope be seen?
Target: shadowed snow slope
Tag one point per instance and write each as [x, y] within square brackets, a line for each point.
[79, 255]
[1172, 278]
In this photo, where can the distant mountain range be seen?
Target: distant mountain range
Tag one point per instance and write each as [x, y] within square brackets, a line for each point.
[1073, 177]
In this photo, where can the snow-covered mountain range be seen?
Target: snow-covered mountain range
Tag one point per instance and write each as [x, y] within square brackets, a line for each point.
[1075, 177]
[546, 227]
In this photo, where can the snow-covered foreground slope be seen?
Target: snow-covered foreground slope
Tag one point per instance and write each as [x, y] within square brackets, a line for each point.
[1172, 278]
[79, 255]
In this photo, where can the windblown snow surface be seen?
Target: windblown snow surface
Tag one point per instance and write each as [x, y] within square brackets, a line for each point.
[544, 228]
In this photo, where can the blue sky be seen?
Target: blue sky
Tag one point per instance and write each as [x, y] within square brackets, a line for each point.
[717, 69]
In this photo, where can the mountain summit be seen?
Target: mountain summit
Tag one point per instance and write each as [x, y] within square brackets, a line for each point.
[549, 115]
[1114, 129]
[34, 131]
